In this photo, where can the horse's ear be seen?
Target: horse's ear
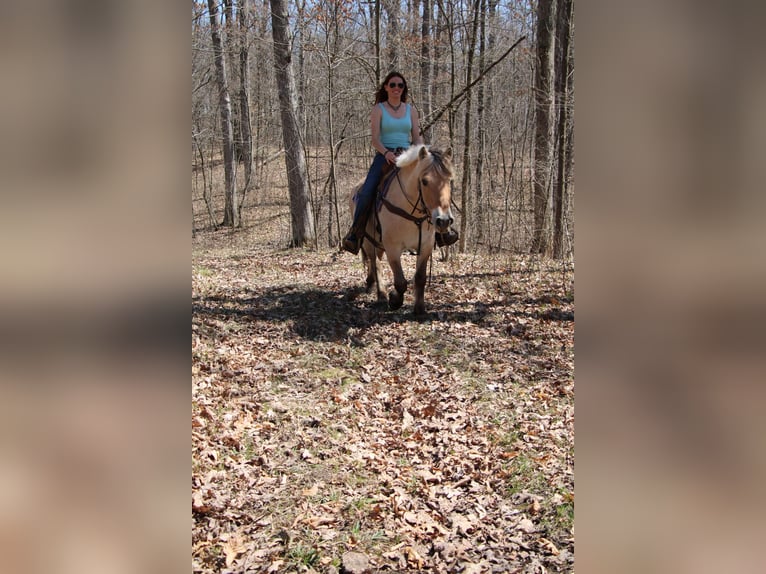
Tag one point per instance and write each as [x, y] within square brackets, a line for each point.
[423, 152]
[448, 153]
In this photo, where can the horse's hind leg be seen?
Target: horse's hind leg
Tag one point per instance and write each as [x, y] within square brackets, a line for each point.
[370, 265]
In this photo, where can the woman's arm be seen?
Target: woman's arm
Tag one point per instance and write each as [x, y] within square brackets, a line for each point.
[375, 116]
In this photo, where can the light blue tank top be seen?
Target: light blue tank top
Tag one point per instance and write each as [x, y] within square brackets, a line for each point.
[395, 132]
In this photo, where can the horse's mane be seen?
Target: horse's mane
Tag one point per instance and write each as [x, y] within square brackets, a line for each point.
[409, 156]
[438, 161]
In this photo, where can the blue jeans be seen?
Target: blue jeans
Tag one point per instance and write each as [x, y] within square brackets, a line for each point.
[367, 191]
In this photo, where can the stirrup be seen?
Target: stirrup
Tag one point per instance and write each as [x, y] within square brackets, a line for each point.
[448, 238]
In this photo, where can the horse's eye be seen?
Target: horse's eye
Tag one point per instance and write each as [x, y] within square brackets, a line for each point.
[424, 181]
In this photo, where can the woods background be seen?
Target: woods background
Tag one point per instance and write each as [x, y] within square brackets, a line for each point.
[281, 94]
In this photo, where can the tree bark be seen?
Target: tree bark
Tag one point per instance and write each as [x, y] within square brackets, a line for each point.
[243, 17]
[302, 220]
[229, 50]
[425, 64]
[231, 205]
[481, 210]
[466, 181]
[544, 125]
[563, 88]
[378, 68]
[393, 38]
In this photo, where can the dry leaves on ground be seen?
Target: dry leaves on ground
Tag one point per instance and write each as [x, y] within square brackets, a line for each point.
[324, 424]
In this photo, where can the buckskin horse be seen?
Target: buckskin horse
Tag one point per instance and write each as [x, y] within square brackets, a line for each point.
[412, 205]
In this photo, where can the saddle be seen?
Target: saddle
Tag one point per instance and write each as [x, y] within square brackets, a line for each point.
[388, 173]
[387, 176]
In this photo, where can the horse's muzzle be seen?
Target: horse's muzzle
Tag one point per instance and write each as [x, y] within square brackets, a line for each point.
[443, 222]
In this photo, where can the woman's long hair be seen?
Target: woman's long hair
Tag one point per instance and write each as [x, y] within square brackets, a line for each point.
[382, 95]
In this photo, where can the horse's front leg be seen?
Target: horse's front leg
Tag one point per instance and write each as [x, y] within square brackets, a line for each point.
[396, 297]
[420, 283]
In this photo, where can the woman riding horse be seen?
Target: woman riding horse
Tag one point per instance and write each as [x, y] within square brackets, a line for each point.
[395, 126]
[415, 207]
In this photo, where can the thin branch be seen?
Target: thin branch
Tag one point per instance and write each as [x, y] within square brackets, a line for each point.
[455, 101]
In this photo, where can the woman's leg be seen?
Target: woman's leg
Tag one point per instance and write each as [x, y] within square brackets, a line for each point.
[364, 199]
[367, 192]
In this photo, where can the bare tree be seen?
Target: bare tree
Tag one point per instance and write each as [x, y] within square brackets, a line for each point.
[516, 190]
[231, 209]
[544, 125]
[301, 218]
[481, 210]
[563, 89]
[466, 181]
[393, 39]
[243, 20]
[425, 64]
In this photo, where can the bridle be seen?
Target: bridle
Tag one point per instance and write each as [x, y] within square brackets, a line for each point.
[419, 206]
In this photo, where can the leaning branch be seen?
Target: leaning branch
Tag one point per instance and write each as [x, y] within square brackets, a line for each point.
[455, 101]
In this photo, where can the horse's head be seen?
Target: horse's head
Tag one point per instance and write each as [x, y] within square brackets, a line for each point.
[434, 180]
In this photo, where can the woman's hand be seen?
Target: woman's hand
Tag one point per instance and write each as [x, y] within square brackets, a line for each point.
[390, 157]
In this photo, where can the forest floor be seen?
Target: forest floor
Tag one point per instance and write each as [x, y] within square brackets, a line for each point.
[330, 434]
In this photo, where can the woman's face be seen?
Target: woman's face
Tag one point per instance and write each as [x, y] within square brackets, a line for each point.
[395, 86]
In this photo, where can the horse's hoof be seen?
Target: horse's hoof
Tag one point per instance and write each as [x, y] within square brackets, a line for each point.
[395, 300]
[419, 309]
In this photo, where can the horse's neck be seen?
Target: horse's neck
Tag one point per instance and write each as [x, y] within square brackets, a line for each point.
[409, 185]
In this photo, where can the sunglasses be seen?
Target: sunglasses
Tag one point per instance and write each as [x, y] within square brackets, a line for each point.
[396, 85]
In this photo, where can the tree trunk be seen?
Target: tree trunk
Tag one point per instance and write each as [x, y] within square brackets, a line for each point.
[243, 16]
[544, 125]
[301, 217]
[465, 204]
[229, 41]
[378, 69]
[393, 38]
[563, 88]
[231, 208]
[425, 64]
[481, 210]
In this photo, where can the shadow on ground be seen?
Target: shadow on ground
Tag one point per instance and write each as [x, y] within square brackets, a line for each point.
[326, 315]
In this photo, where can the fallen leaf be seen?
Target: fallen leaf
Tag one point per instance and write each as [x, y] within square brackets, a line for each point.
[413, 558]
[407, 419]
[313, 491]
[232, 548]
[549, 546]
[464, 525]
[317, 521]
